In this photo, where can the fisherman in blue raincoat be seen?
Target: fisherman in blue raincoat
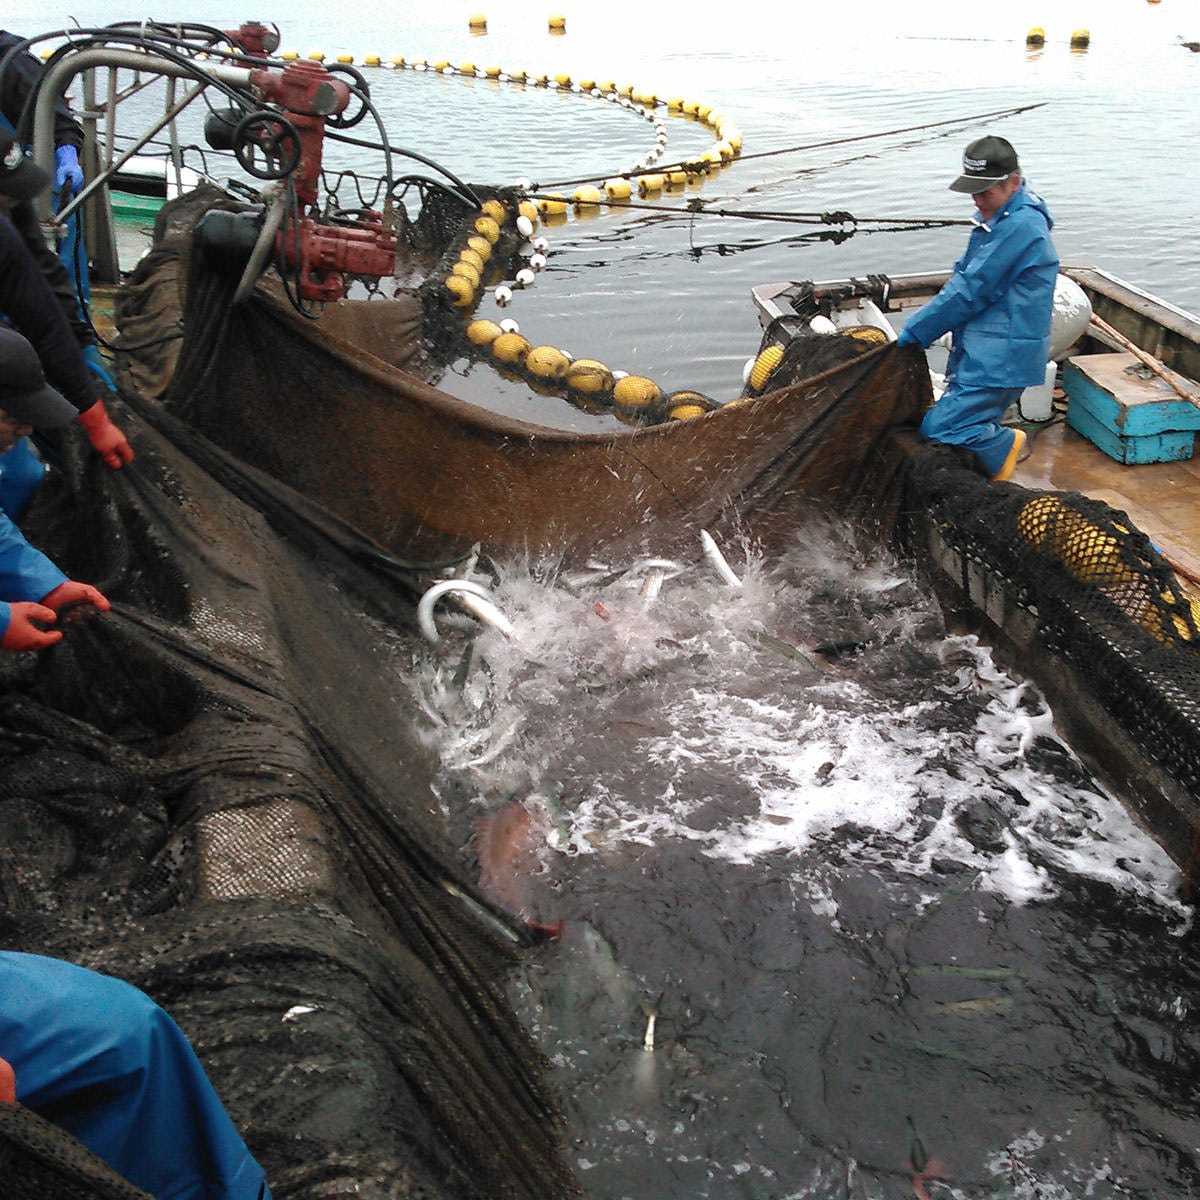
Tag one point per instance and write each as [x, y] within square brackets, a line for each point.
[32, 589]
[99, 1058]
[30, 303]
[997, 304]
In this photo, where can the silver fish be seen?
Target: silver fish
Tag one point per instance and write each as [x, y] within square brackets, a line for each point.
[717, 560]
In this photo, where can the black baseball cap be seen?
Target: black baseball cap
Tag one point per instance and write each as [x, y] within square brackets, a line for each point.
[986, 161]
[20, 177]
[24, 393]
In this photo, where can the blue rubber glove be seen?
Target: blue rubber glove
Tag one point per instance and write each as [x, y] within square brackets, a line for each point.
[907, 338]
[98, 367]
[68, 174]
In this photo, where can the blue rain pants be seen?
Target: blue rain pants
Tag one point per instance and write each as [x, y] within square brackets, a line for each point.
[970, 417]
[100, 1059]
[21, 474]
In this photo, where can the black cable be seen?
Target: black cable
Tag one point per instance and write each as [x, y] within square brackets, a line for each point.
[365, 97]
[696, 206]
[293, 214]
[86, 311]
[467, 191]
[423, 182]
[215, 35]
[99, 38]
[862, 137]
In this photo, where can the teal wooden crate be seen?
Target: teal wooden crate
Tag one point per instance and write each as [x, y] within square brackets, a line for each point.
[1131, 418]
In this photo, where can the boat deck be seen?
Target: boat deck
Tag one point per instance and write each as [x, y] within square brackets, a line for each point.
[1162, 499]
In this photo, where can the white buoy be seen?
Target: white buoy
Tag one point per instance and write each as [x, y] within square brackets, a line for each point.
[525, 277]
[524, 226]
[538, 262]
[508, 325]
[820, 324]
[540, 244]
[747, 369]
[503, 295]
[523, 184]
[620, 374]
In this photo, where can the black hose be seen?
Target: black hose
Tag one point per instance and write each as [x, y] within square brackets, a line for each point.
[467, 191]
[100, 37]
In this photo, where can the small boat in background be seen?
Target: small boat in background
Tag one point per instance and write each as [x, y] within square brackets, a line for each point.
[145, 183]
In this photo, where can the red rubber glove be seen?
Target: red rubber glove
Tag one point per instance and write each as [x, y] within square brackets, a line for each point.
[107, 440]
[23, 634]
[75, 593]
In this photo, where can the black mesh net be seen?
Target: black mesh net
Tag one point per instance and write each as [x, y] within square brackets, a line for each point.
[1102, 596]
[39, 1161]
[216, 793]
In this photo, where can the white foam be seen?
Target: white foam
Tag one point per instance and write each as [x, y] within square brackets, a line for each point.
[821, 755]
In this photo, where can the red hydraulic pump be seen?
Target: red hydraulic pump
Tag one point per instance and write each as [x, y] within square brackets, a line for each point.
[292, 138]
[254, 38]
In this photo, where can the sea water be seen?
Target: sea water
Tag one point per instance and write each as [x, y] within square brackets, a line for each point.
[894, 934]
[666, 294]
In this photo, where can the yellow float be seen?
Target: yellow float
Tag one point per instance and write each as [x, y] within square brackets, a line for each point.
[636, 393]
[547, 362]
[589, 377]
[510, 348]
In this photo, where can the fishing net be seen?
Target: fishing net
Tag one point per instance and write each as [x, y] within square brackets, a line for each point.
[38, 1160]
[1100, 597]
[216, 792]
[427, 476]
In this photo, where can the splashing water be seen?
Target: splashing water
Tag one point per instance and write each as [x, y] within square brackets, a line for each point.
[844, 847]
[714, 686]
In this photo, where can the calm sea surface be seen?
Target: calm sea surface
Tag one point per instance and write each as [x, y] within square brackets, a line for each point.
[900, 942]
[1112, 151]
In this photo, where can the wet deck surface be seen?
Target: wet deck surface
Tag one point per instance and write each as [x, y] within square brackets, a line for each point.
[1162, 499]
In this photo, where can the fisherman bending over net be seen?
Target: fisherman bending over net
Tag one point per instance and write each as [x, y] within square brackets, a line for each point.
[997, 304]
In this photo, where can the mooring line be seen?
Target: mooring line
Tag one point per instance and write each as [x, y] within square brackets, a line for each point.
[861, 137]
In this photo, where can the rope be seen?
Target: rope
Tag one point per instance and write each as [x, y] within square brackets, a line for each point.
[862, 137]
[697, 206]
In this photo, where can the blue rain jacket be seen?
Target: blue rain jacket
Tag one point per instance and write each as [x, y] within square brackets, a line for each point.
[25, 573]
[998, 302]
[100, 1059]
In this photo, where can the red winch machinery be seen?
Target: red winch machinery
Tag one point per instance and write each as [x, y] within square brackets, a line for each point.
[276, 125]
[290, 140]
